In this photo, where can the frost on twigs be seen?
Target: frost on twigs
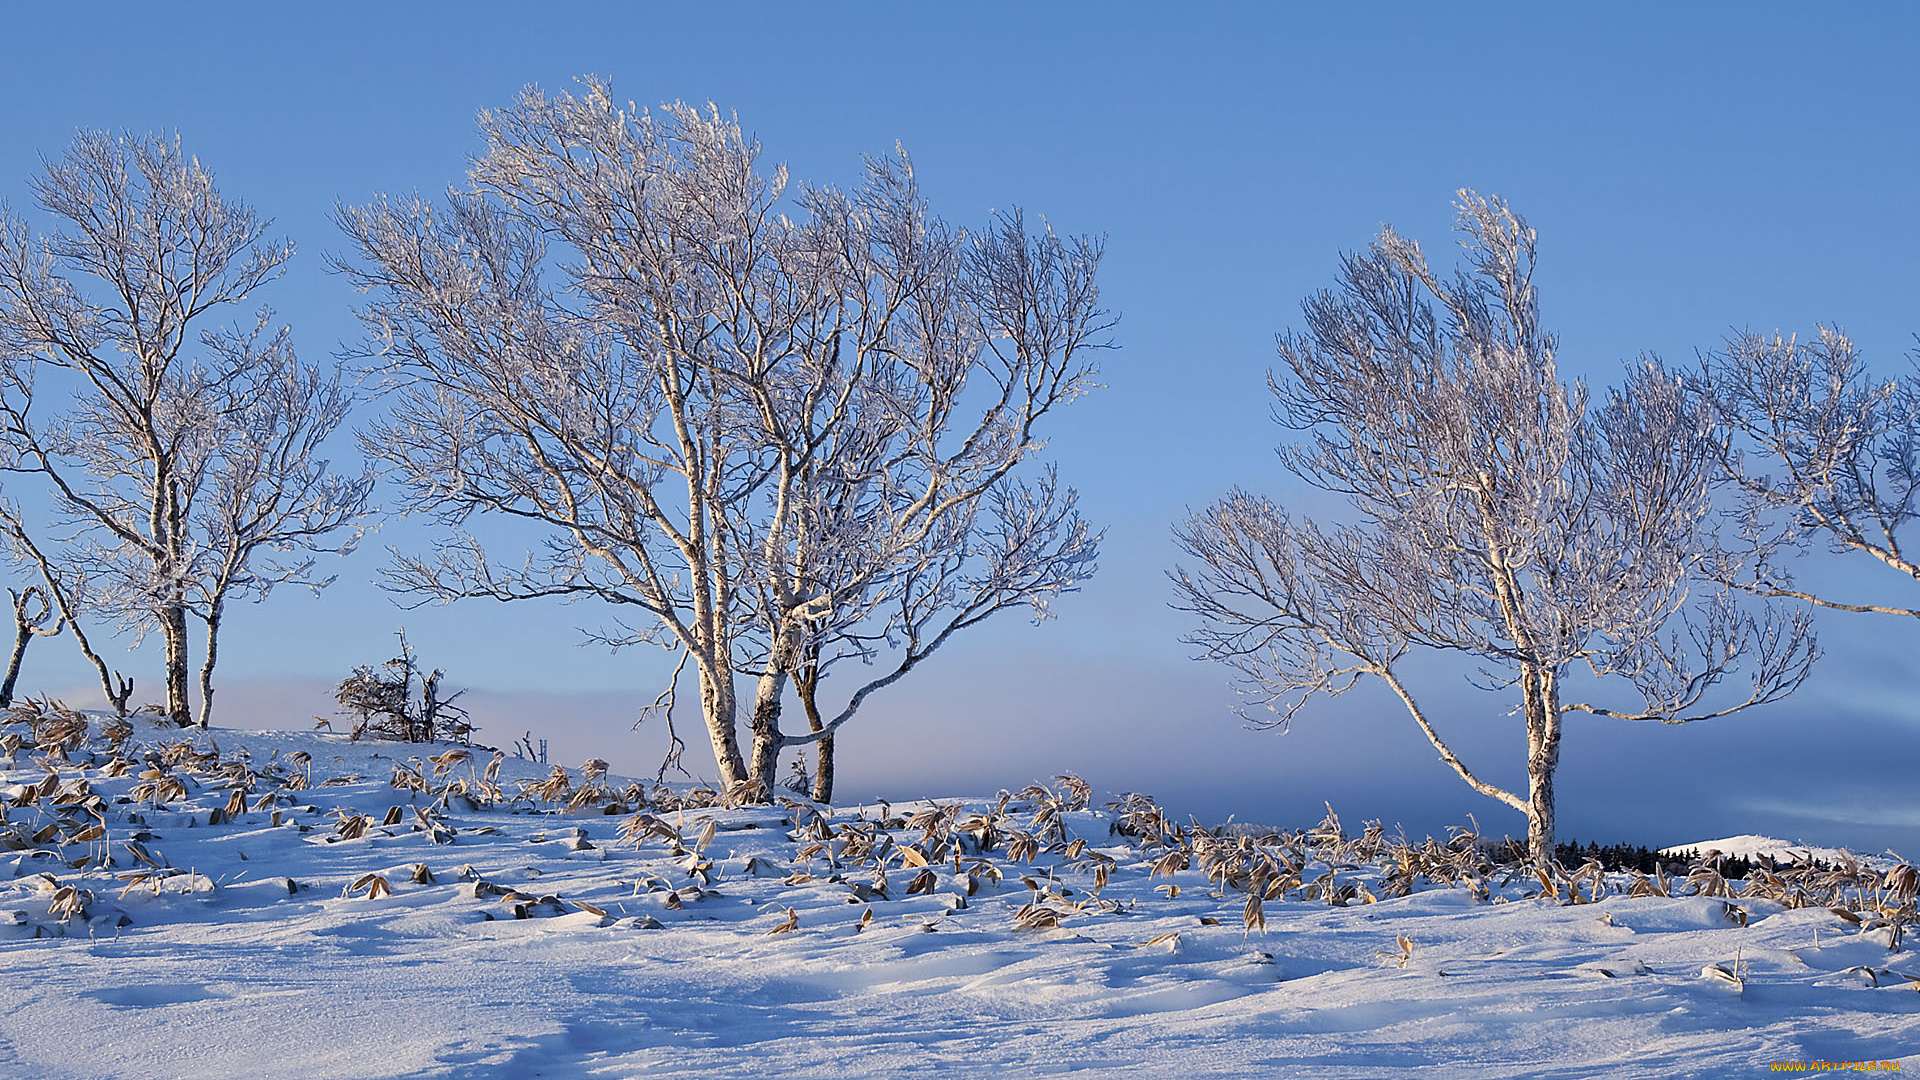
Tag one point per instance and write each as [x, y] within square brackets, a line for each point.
[382, 702]
[1562, 546]
[797, 433]
[181, 456]
[1822, 452]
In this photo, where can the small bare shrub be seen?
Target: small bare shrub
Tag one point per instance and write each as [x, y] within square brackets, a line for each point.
[382, 703]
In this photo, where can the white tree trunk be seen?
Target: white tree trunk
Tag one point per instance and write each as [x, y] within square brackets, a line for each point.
[1541, 700]
[769, 695]
[717, 708]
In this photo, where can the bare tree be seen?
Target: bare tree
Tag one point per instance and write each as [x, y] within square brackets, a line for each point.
[65, 595]
[117, 305]
[900, 530]
[664, 392]
[31, 610]
[1502, 520]
[1822, 451]
[893, 605]
[32, 606]
[268, 491]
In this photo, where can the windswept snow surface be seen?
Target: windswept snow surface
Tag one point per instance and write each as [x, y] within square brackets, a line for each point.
[221, 971]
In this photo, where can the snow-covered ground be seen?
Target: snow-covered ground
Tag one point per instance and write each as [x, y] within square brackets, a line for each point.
[258, 944]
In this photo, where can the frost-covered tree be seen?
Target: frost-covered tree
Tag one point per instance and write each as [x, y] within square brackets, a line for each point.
[632, 337]
[1822, 451]
[271, 502]
[64, 596]
[892, 602]
[187, 447]
[1498, 518]
[31, 610]
[902, 531]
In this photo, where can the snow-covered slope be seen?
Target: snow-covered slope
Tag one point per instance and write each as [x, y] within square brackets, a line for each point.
[1749, 846]
[261, 945]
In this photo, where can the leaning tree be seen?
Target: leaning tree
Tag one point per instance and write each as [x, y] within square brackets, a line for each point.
[174, 451]
[632, 337]
[1498, 517]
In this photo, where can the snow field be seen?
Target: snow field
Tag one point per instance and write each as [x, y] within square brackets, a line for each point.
[816, 942]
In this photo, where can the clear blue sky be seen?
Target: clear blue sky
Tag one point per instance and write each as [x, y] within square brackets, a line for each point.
[1690, 168]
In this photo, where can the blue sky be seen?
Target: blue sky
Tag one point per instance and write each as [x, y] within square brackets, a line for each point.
[1690, 169]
